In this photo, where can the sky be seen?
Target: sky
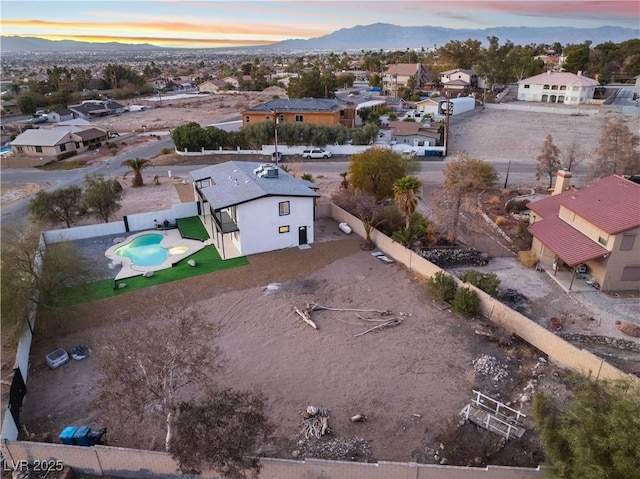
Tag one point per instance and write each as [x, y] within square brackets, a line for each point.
[231, 23]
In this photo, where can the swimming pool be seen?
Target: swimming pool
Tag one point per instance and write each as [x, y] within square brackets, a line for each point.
[145, 250]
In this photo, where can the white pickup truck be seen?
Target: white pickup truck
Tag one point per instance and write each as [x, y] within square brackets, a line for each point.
[316, 153]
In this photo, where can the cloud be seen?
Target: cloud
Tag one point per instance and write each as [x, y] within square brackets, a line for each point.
[159, 40]
[576, 9]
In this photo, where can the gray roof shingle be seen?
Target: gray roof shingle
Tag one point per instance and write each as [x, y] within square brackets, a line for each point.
[235, 182]
[301, 104]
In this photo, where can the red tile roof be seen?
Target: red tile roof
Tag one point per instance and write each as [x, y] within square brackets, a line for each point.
[566, 242]
[612, 204]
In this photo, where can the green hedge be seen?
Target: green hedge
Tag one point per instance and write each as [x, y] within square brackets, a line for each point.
[67, 154]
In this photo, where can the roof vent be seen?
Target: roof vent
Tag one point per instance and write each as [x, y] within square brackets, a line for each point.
[269, 172]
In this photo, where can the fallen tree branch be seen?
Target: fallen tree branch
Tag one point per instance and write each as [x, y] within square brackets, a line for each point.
[372, 320]
[389, 324]
[304, 315]
[317, 307]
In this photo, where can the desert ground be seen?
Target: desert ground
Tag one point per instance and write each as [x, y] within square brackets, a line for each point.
[409, 380]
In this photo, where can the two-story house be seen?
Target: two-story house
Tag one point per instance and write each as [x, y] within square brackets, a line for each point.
[317, 111]
[406, 75]
[259, 207]
[557, 87]
[458, 80]
[594, 233]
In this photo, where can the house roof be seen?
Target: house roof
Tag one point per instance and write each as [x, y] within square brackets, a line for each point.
[43, 137]
[456, 82]
[612, 204]
[301, 104]
[406, 128]
[90, 134]
[559, 78]
[370, 103]
[236, 182]
[404, 69]
[571, 246]
[461, 70]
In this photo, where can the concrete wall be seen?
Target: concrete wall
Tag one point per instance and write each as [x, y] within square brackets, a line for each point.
[143, 221]
[267, 150]
[560, 110]
[82, 232]
[120, 462]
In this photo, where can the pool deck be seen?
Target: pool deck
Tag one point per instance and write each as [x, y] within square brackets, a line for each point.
[172, 239]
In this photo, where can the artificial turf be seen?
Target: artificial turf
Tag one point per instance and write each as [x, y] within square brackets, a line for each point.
[192, 228]
[207, 261]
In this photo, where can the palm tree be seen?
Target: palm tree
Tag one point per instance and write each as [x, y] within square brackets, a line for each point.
[405, 194]
[136, 165]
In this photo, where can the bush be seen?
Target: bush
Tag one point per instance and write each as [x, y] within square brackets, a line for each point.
[523, 232]
[67, 154]
[500, 220]
[517, 206]
[165, 151]
[528, 259]
[466, 302]
[487, 282]
[442, 286]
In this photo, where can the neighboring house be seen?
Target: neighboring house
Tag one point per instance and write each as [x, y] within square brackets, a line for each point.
[96, 108]
[557, 87]
[399, 76]
[459, 80]
[50, 142]
[212, 86]
[9, 107]
[259, 206]
[594, 232]
[430, 106]
[60, 114]
[414, 133]
[232, 81]
[317, 111]
[371, 105]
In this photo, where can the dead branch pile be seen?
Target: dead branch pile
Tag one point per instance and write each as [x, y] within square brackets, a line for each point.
[315, 422]
[305, 315]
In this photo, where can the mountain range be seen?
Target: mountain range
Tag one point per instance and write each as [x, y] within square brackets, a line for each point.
[365, 37]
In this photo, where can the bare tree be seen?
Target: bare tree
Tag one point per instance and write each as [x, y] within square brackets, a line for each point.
[462, 177]
[548, 160]
[617, 152]
[146, 368]
[572, 156]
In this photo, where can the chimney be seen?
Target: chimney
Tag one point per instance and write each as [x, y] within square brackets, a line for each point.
[563, 182]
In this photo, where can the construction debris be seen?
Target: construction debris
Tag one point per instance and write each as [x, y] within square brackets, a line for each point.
[358, 418]
[453, 257]
[315, 422]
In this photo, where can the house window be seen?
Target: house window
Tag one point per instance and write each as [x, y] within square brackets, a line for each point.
[39, 149]
[281, 118]
[247, 119]
[575, 88]
[602, 241]
[527, 86]
[299, 117]
[554, 87]
[631, 273]
[546, 87]
[283, 229]
[63, 147]
[284, 208]
[563, 87]
[627, 242]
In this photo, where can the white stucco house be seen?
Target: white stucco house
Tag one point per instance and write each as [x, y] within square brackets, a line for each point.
[254, 207]
[557, 87]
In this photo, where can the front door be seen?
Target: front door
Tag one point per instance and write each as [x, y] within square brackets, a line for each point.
[302, 235]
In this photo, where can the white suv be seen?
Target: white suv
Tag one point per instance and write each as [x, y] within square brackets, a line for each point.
[316, 153]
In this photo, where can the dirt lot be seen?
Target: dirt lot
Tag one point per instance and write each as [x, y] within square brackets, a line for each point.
[408, 380]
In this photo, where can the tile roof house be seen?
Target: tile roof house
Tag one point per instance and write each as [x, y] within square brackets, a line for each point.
[259, 207]
[50, 142]
[317, 111]
[557, 87]
[398, 76]
[593, 232]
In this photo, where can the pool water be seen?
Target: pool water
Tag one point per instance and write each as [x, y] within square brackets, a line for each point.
[145, 250]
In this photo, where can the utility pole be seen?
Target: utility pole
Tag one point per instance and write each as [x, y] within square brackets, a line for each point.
[446, 124]
[275, 133]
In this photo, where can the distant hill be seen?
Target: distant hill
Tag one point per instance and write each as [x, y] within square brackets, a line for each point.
[15, 44]
[386, 36]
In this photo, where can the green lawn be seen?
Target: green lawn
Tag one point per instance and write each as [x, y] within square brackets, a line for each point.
[192, 228]
[207, 261]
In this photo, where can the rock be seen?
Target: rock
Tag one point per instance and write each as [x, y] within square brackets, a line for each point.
[295, 454]
[147, 274]
[629, 329]
[191, 262]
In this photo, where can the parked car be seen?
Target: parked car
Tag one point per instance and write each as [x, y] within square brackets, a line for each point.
[316, 153]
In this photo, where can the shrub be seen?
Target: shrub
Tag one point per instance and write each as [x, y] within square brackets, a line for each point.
[500, 220]
[487, 282]
[523, 232]
[495, 200]
[165, 151]
[517, 206]
[528, 259]
[67, 154]
[442, 286]
[466, 302]
[307, 177]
